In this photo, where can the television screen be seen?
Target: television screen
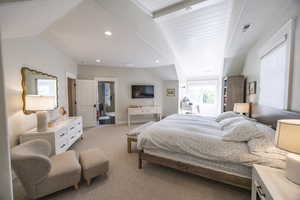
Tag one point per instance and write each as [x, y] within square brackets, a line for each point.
[142, 91]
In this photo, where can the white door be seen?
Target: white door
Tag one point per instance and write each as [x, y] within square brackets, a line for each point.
[86, 102]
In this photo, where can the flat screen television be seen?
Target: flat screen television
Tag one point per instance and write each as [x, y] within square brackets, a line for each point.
[142, 91]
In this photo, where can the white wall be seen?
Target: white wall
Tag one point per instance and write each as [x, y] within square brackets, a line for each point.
[252, 63]
[170, 103]
[37, 54]
[5, 168]
[127, 77]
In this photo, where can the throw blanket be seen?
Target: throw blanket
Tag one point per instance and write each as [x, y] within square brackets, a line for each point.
[201, 138]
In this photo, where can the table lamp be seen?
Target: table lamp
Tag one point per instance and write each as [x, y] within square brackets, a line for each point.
[288, 138]
[41, 105]
[242, 108]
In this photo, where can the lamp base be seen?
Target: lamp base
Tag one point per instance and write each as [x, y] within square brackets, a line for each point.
[42, 121]
[292, 168]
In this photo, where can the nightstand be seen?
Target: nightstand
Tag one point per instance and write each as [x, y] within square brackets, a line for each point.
[271, 184]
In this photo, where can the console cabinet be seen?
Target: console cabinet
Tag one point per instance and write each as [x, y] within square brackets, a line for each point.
[144, 110]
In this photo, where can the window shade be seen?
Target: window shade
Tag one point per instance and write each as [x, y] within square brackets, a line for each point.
[273, 77]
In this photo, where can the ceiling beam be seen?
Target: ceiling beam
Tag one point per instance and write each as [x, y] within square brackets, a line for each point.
[186, 4]
[11, 1]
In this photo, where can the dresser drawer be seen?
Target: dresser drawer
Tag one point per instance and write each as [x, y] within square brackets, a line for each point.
[61, 134]
[260, 191]
[62, 145]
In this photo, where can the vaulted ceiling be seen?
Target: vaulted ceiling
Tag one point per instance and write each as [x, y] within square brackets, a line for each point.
[196, 32]
[29, 18]
[193, 35]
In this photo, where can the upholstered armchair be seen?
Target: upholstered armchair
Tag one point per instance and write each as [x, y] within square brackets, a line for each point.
[42, 174]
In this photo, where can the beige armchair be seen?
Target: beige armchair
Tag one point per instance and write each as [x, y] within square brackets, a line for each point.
[41, 174]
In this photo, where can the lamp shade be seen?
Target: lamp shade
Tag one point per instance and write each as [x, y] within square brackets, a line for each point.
[40, 103]
[288, 135]
[241, 107]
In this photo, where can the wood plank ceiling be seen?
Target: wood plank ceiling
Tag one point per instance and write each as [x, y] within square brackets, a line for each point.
[196, 34]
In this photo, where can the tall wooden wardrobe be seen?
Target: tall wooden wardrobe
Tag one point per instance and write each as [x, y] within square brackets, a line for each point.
[234, 91]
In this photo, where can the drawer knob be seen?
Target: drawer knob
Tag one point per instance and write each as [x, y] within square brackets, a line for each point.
[260, 192]
[62, 146]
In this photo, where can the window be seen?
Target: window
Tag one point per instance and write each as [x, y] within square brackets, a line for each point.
[273, 75]
[203, 96]
[276, 63]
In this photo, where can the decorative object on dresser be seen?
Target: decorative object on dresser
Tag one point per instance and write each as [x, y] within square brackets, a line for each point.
[271, 184]
[288, 138]
[144, 110]
[233, 91]
[61, 136]
[40, 104]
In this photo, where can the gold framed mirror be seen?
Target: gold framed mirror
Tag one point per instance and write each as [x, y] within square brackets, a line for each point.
[35, 83]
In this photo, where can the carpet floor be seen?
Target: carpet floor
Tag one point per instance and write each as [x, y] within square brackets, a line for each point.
[125, 181]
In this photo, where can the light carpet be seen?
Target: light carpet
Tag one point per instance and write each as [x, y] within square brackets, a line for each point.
[126, 182]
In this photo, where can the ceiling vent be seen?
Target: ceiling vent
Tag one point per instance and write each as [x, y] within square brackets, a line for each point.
[246, 27]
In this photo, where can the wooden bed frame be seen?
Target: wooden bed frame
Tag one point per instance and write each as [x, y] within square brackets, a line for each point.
[223, 177]
[263, 114]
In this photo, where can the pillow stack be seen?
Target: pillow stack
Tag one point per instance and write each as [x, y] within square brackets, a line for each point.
[242, 131]
[226, 115]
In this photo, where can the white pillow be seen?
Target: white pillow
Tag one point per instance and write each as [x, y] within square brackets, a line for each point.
[265, 143]
[242, 131]
[226, 115]
[227, 123]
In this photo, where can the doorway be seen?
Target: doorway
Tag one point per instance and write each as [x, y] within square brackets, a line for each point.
[72, 97]
[106, 112]
[203, 96]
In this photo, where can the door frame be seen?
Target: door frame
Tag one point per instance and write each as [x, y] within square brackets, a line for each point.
[116, 83]
[72, 76]
[6, 189]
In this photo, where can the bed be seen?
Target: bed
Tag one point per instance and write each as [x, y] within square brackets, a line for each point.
[206, 154]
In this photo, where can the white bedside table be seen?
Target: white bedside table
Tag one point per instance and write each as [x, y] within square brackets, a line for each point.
[271, 184]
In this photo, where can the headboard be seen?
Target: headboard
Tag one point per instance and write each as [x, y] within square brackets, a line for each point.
[270, 116]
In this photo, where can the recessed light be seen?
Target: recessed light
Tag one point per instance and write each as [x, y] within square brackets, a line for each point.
[157, 61]
[108, 33]
[98, 61]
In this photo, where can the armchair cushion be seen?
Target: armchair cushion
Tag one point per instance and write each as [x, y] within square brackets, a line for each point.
[65, 172]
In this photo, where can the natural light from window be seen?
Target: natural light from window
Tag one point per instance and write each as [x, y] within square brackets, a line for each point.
[202, 97]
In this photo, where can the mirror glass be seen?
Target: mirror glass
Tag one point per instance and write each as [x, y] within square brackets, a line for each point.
[38, 83]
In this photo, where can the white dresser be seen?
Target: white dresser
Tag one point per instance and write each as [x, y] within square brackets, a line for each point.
[144, 110]
[61, 136]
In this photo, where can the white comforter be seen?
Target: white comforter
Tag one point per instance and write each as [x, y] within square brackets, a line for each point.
[200, 137]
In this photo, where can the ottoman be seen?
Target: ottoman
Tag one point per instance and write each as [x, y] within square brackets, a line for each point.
[93, 163]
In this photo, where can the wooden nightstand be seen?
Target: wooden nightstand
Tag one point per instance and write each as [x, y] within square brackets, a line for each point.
[271, 184]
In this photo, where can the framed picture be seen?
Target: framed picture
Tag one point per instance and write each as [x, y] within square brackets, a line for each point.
[171, 92]
[252, 87]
